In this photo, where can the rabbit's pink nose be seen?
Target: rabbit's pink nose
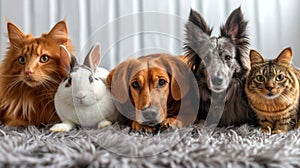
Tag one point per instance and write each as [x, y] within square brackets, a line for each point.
[80, 95]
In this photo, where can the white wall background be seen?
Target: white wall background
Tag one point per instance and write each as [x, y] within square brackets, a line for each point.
[126, 28]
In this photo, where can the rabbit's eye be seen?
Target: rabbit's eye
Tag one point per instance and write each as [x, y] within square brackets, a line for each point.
[69, 83]
[91, 79]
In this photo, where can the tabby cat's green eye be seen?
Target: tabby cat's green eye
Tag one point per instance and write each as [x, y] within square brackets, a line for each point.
[259, 78]
[22, 60]
[280, 77]
[44, 59]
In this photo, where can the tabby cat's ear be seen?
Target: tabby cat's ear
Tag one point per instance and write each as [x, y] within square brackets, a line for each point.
[15, 35]
[59, 32]
[255, 57]
[285, 56]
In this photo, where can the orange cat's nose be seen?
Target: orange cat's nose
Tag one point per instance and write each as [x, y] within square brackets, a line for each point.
[28, 73]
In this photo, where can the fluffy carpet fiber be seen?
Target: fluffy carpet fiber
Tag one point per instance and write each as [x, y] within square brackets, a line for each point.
[117, 146]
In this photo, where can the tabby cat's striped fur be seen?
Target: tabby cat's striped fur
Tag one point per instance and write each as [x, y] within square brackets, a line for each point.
[272, 88]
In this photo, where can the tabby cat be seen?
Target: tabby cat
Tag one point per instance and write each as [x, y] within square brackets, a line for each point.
[272, 88]
[30, 74]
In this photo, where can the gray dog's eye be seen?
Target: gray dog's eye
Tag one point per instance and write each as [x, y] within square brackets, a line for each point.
[227, 57]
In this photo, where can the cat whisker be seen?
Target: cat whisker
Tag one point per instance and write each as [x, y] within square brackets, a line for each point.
[14, 83]
[9, 76]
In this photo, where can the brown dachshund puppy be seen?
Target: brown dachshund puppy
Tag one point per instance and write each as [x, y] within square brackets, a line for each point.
[155, 91]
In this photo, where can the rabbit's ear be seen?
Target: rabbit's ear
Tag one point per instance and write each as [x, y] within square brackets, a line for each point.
[92, 60]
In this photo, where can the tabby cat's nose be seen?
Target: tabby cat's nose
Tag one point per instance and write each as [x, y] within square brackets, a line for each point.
[269, 88]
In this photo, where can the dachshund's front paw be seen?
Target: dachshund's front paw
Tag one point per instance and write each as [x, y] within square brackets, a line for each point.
[135, 126]
[171, 123]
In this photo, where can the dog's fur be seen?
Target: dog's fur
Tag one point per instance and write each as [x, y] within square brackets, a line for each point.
[154, 91]
[220, 65]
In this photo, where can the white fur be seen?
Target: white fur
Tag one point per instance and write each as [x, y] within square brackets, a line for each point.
[96, 109]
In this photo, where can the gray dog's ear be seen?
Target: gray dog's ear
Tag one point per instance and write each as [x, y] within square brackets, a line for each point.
[92, 60]
[196, 30]
[235, 26]
[118, 80]
[200, 25]
[235, 29]
[197, 37]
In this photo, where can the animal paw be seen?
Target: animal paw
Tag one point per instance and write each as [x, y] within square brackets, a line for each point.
[278, 131]
[104, 123]
[265, 130]
[171, 123]
[61, 127]
[135, 126]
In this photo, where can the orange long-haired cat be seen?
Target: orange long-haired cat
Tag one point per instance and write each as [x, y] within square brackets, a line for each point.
[30, 74]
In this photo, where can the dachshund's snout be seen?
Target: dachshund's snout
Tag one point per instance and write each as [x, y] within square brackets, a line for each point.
[150, 116]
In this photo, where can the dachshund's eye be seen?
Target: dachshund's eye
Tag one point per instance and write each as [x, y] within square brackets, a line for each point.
[91, 79]
[161, 82]
[135, 84]
[227, 57]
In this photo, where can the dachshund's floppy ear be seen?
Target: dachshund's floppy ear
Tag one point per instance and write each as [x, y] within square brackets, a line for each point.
[180, 76]
[118, 80]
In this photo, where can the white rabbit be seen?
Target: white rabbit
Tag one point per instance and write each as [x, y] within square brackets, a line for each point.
[83, 97]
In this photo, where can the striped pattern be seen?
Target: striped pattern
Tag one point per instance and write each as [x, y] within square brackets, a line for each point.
[277, 114]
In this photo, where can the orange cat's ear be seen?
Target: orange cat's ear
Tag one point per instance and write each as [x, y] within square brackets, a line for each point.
[285, 57]
[65, 58]
[15, 35]
[255, 57]
[59, 32]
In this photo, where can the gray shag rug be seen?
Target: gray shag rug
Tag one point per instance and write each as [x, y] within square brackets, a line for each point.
[118, 146]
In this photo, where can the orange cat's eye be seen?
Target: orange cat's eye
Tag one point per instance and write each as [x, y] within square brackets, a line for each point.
[44, 59]
[259, 78]
[22, 60]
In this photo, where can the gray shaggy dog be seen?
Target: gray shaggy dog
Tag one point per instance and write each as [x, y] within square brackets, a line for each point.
[220, 65]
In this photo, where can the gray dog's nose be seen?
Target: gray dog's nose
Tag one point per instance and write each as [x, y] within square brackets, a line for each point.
[217, 81]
